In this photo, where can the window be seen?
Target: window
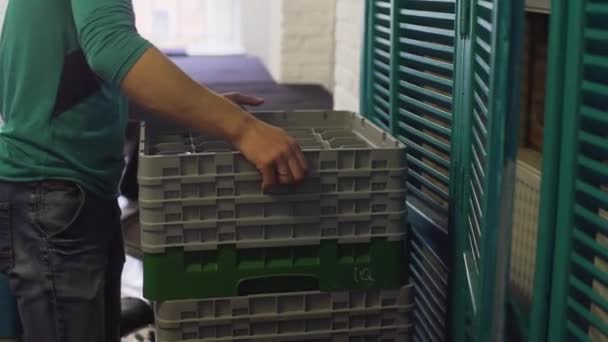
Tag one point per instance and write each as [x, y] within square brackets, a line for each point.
[196, 26]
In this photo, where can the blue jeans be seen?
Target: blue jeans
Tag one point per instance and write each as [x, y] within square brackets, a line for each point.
[62, 250]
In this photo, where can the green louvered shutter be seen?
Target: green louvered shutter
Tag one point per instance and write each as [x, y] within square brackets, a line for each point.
[408, 89]
[483, 32]
[457, 113]
[423, 119]
[490, 120]
[409, 84]
[379, 48]
[579, 301]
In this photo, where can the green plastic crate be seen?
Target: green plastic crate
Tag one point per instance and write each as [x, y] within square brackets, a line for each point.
[229, 271]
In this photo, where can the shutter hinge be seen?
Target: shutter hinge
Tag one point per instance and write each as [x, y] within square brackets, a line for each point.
[465, 17]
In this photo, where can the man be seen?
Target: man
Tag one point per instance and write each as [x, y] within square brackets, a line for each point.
[64, 67]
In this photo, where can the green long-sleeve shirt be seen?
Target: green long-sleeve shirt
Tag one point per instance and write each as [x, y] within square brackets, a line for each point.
[61, 64]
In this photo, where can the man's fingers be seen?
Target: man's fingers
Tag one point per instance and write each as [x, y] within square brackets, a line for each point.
[284, 172]
[268, 177]
[296, 170]
[250, 100]
[299, 156]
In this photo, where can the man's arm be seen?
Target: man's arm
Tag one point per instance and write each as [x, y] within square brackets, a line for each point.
[159, 85]
[118, 54]
[168, 90]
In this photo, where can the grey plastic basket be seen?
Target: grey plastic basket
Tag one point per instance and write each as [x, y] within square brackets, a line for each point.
[172, 152]
[262, 221]
[255, 207]
[265, 305]
[197, 192]
[283, 315]
[248, 183]
[344, 335]
[271, 232]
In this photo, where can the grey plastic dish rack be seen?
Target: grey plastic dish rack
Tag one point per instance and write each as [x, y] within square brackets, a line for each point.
[304, 314]
[266, 221]
[198, 193]
[273, 232]
[345, 335]
[252, 207]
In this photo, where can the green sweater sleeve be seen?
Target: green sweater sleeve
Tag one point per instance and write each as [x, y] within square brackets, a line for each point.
[108, 37]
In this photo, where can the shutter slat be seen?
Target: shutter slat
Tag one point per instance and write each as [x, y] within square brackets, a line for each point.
[428, 45]
[431, 79]
[428, 200]
[594, 114]
[436, 128]
[445, 100]
[589, 243]
[597, 8]
[428, 30]
[445, 67]
[430, 15]
[429, 154]
[589, 268]
[427, 139]
[427, 108]
[588, 316]
[482, 85]
[597, 195]
[429, 185]
[428, 169]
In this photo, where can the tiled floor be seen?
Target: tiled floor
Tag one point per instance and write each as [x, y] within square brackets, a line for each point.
[132, 286]
[132, 278]
[140, 336]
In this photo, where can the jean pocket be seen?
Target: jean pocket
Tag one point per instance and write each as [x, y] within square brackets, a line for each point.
[58, 206]
[6, 243]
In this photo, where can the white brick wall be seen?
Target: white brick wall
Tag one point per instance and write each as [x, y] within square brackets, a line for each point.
[307, 42]
[349, 43]
[256, 28]
[310, 41]
[294, 38]
[3, 4]
[276, 38]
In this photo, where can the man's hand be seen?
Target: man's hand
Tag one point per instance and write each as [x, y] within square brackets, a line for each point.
[244, 100]
[274, 153]
[174, 95]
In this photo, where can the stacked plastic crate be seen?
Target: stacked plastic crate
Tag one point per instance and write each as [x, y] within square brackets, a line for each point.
[324, 259]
